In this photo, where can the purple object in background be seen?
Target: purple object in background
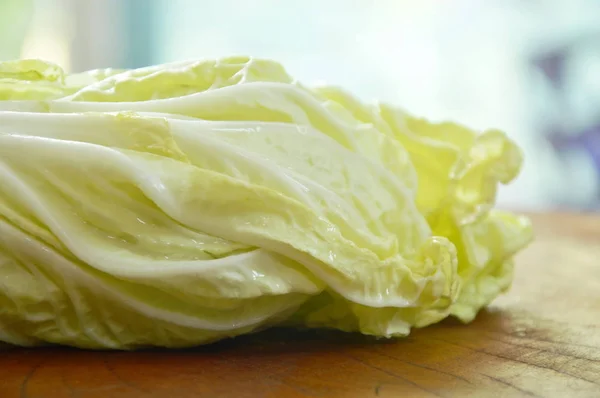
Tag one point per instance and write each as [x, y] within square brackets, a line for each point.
[589, 141]
[566, 132]
[552, 66]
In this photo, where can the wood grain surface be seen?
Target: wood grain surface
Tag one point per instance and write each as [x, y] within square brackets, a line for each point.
[540, 340]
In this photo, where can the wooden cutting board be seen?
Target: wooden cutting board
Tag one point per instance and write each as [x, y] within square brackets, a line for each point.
[540, 340]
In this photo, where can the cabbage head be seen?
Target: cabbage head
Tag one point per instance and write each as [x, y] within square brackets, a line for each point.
[180, 204]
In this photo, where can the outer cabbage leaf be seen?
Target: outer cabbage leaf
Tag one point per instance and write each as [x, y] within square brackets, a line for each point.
[179, 79]
[458, 175]
[33, 79]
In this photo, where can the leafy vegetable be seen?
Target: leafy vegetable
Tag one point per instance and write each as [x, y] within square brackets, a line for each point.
[180, 204]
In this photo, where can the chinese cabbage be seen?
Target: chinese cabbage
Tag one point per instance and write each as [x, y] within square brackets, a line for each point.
[180, 204]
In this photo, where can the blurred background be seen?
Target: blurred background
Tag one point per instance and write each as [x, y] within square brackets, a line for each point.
[528, 67]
